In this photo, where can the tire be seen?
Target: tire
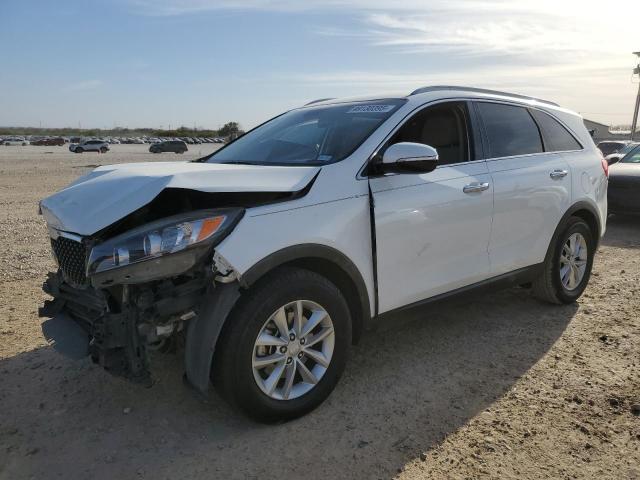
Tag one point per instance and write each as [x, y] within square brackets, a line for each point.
[234, 373]
[79, 150]
[103, 150]
[549, 286]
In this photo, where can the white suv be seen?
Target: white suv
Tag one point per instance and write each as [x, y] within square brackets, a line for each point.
[99, 146]
[272, 255]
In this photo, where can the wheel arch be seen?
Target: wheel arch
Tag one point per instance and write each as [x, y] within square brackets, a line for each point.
[204, 332]
[584, 210]
[328, 262]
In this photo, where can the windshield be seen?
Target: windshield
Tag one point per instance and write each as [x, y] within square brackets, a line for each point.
[309, 136]
[627, 148]
[632, 157]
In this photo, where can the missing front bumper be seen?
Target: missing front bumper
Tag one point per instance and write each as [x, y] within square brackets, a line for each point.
[84, 315]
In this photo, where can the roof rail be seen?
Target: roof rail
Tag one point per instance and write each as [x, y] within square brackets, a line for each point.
[319, 100]
[436, 88]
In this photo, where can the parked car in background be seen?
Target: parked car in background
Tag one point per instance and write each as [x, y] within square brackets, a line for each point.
[175, 146]
[608, 147]
[99, 146]
[49, 141]
[624, 184]
[270, 256]
[15, 141]
[613, 158]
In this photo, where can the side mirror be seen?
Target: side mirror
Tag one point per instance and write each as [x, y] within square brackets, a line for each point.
[408, 157]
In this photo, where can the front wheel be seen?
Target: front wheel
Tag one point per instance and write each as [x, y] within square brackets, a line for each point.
[79, 150]
[103, 150]
[284, 347]
[568, 267]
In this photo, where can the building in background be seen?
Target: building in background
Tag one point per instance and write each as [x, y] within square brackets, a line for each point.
[600, 131]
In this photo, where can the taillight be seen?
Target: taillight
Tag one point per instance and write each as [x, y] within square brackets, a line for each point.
[605, 165]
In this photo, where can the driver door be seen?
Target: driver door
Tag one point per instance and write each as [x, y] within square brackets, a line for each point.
[432, 229]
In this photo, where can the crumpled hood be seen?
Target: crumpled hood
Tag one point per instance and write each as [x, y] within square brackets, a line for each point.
[111, 192]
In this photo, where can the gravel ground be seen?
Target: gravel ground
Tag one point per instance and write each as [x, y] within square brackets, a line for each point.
[500, 386]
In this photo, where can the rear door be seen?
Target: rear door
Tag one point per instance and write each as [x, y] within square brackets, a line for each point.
[432, 229]
[532, 187]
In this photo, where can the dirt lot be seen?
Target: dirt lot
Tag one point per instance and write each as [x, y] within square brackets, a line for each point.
[497, 387]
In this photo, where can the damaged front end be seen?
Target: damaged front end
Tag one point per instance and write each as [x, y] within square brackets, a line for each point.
[137, 265]
[136, 291]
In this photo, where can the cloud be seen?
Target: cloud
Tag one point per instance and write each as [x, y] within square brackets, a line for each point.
[84, 85]
[577, 52]
[549, 29]
[182, 7]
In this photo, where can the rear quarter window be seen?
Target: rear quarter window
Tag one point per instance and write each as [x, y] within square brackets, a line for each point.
[556, 137]
[510, 130]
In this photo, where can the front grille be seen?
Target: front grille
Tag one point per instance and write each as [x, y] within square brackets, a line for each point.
[72, 257]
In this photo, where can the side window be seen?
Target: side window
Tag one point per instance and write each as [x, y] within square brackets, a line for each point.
[445, 127]
[510, 130]
[556, 137]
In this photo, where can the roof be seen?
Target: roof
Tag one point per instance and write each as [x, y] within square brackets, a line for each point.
[481, 92]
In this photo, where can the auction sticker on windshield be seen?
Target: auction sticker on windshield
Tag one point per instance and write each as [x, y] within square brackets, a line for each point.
[371, 109]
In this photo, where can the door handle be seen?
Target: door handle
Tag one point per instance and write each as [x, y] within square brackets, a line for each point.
[558, 174]
[475, 187]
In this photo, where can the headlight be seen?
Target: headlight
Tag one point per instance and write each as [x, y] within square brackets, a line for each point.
[164, 237]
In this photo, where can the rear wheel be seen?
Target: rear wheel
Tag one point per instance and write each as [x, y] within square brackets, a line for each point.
[79, 150]
[568, 268]
[284, 347]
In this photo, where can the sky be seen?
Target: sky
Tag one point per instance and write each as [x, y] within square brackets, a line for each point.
[166, 63]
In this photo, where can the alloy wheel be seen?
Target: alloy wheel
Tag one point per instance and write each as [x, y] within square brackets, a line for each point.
[293, 350]
[573, 261]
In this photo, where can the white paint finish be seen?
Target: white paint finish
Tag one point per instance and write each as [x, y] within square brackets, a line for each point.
[528, 205]
[111, 192]
[343, 225]
[431, 236]
[587, 169]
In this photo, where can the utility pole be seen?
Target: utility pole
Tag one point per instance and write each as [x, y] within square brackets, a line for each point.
[634, 124]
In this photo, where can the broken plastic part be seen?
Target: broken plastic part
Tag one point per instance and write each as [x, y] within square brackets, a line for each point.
[225, 273]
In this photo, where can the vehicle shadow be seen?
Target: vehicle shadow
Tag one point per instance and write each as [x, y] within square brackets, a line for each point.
[409, 384]
[622, 231]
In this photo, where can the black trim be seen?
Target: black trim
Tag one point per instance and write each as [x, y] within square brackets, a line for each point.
[203, 332]
[506, 280]
[476, 132]
[374, 249]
